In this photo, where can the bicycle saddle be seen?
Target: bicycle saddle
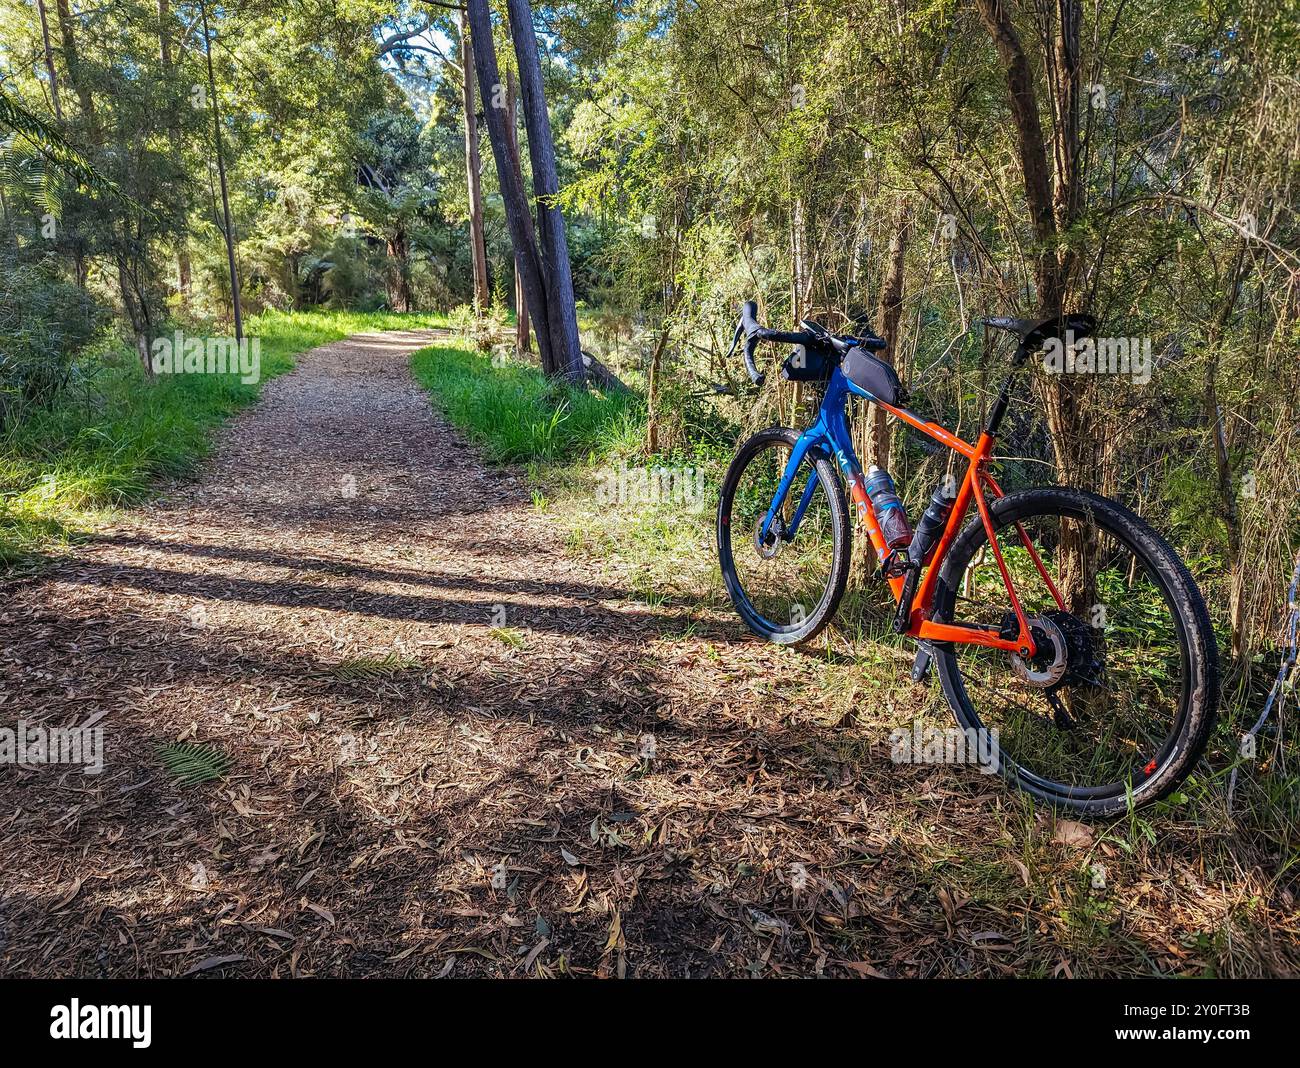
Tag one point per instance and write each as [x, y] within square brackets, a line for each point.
[1034, 332]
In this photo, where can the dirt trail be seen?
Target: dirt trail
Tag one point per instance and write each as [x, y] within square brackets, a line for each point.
[455, 750]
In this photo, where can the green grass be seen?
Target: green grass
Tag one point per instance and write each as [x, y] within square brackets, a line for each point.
[112, 437]
[517, 415]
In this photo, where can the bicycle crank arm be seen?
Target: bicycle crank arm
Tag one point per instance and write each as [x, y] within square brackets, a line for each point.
[921, 665]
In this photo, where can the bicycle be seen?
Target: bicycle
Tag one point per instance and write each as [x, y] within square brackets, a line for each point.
[1084, 649]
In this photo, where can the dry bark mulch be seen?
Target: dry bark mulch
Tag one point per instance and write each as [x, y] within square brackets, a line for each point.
[456, 751]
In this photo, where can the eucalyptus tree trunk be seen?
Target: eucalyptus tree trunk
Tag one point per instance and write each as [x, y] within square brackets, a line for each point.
[72, 60]
[518, 215]
[798, 257]
[889, 322]
[522, 341]
[221, 175]
[473, 168]
[183, 268]
[49, 60]
[398, 275]
[136, 304]
[561, 306]
[1054, 197]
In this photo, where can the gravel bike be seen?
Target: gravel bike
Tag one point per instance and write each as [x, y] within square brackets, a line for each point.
[1058, 621]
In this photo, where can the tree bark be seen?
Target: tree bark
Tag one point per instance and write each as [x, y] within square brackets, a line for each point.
[136, 304]
[652, 395]
[473, 168]
[1055, 204]
[1069, 400]
[798, 258]
[398, 275]
[522, 341]
[518, 215]
[1030, 146]
[183, 270]
[221, 174]
[562, 316]
[1052, 211]
[72, 60]
[890, 320]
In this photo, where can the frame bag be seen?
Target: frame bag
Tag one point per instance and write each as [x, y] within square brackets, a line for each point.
[873, 375]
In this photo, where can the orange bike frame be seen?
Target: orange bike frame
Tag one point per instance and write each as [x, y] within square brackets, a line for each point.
[976, 480]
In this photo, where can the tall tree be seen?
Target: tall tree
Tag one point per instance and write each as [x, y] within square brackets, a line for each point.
[518, 215]
[562, 312]
[229, 229]
[473, 168]
[72, 60]
[890, 321]
[49, 60]
[184, 268]
[1053, 196]
[522, 341]
[394, 194]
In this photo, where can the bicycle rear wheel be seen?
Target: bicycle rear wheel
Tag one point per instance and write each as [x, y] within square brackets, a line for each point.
[787, 588]
[1120, 697]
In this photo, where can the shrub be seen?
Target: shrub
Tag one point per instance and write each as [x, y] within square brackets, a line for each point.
[44, 324]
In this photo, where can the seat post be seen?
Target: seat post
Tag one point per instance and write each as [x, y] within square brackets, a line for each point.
[1004, 396]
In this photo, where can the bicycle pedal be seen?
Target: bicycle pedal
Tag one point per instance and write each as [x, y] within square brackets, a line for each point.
[921, 665]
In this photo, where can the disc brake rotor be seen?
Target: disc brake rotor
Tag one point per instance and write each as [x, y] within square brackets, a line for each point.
[776, 538]
[1047, 667]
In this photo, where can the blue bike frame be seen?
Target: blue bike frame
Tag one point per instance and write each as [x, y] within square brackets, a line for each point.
[829, 436]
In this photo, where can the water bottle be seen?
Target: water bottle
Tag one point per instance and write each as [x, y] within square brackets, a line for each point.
[890, 513]
[933, 520]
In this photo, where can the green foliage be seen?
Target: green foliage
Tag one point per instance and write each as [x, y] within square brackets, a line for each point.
[369, 668]
[45, 324]
[349, 274]
[27, 133]
[690, 184]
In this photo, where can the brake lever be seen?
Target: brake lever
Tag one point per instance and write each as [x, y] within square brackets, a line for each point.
[735, 338]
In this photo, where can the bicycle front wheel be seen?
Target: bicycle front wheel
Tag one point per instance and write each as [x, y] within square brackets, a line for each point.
[787, 586]
[1119, 699]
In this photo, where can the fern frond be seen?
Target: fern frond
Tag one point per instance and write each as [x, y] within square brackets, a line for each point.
[193, 763]
[366, 667]
[58, 152]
